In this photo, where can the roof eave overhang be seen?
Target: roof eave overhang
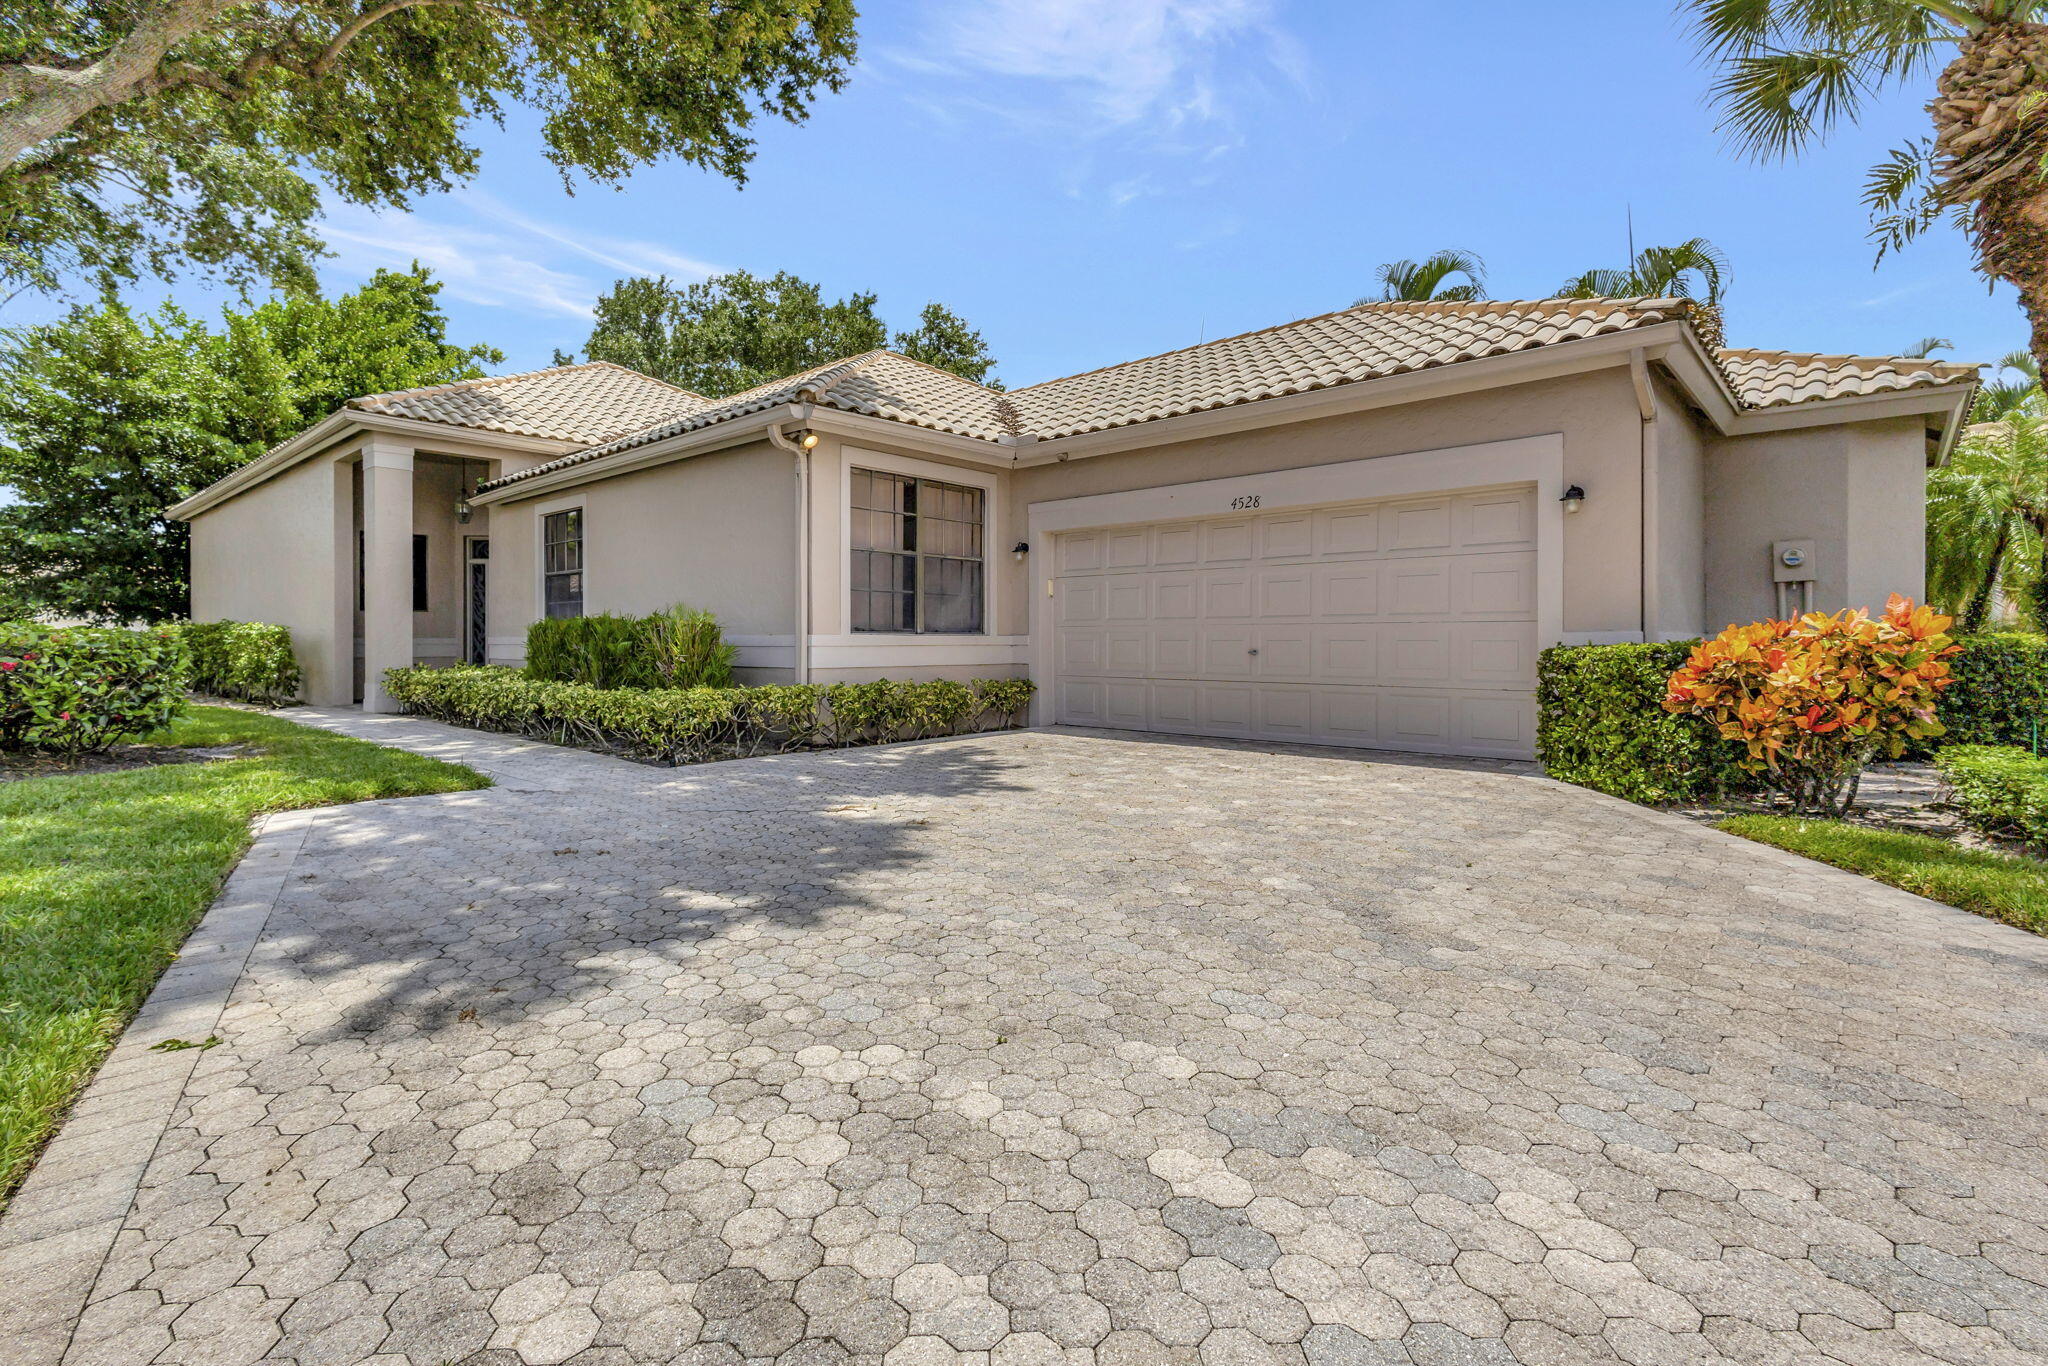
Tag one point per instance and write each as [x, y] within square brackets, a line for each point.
[1552, 361]
[741, 430]
[345, 424]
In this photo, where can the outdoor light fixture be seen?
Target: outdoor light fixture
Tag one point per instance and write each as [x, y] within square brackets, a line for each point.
[1020, 550]
[1574, 498]
[810, 441]
[462, 509]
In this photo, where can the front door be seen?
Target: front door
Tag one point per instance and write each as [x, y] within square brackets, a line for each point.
[475, 636]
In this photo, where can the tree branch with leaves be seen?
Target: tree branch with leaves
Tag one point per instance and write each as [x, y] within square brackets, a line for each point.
[168, 133]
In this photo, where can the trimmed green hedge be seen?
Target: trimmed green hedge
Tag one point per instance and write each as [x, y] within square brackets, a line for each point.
[677, 648]
[252, 660]
[2000, 689]
[1999, 789]
[690, 725]
[83, 689]
[1601, 723]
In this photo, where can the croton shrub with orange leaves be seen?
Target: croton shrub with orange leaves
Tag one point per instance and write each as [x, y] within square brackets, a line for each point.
[1815, 699]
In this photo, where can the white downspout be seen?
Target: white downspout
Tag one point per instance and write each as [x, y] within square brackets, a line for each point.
[1646, 406]
[801, 451]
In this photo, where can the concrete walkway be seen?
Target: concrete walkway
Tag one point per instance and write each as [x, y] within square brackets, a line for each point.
[1048, 1047]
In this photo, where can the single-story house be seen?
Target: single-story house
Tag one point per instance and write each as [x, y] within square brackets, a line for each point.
[1354, 529]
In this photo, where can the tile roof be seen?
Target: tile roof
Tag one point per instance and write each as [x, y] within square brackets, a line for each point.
[1368, 342]
[584, 403]
[1778, 379]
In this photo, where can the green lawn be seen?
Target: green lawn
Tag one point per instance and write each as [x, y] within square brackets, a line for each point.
[103, 875]
[2000, 886]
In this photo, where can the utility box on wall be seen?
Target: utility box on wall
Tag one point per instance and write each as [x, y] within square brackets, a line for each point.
[1793, 570]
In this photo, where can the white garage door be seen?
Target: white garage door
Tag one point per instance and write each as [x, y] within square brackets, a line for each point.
[1404, 624]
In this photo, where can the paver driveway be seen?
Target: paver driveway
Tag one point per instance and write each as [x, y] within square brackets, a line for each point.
[1069, 1047]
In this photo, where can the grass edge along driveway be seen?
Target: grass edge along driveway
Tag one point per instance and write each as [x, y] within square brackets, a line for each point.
[103, 875]
[1998, 886]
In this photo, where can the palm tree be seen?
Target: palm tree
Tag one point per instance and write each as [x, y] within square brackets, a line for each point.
[1694, 269]
[2002, 398]
[1423, 281]
[1791, 71]
[1987, 521]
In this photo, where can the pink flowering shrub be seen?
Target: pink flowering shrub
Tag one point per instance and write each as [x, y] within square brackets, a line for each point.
[81, 689]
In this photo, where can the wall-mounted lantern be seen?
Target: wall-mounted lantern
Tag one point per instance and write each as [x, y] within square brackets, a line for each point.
[1020, 550]
[1573, 499]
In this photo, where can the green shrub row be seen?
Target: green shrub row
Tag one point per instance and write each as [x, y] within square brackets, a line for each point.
[81, 689]
[2000, 691]
[678, 648]
[1601, 723]
[2000, 789]
[252, 660]
[690, 725]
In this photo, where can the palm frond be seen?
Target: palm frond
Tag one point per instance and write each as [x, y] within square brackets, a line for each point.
[1927, 346]
[1422, 281]
[1792, 70]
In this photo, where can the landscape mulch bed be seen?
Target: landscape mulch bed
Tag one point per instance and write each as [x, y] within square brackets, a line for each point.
[15, 767]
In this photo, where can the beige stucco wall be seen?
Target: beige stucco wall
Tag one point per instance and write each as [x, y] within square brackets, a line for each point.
[277, 553]
[1679, 552]
[715, 531]
[1855, 490]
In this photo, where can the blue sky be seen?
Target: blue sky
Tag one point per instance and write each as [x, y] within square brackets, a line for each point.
[1089, 181]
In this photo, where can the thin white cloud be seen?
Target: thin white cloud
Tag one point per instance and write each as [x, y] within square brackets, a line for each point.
[1165, 63]
[486, 253]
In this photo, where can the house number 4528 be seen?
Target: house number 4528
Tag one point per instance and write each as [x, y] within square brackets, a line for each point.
[1250, 500]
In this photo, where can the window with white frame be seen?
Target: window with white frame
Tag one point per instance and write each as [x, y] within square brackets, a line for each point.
[916, 548]
[562, 562]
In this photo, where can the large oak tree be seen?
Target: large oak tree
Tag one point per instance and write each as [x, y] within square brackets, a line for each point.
[154, 133]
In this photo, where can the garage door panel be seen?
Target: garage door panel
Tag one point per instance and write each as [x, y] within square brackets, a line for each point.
[1418, 525]
[1348, 531]
[1176, 597]
[1227, 652]
[1226, 596]
[1080, 701]
[1416, 653]
[1405, 624]
[1225, 542]
[1225, 709]
[1127, 652]
[1286, 713]
[1349, 589]
[1494, 585]
[1131, 549]
[1483, 521]
[1176, 651]
[1492, 654]
[1287, 592]
[1347, 654]
[1126, 704]
[1177, 544]
[1080, 652]
[1126, 597]
[1286, 652]
[1078, 602]
[1416, 588]
[1176, 706]
[1290, 536]
[1080, 552]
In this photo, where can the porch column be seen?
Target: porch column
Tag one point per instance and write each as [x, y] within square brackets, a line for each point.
[387, 567]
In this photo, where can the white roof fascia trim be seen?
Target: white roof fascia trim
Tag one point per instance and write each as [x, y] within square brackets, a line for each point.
[1550, 361]
[735, 431]
[340, 425]
[1822, 412]
[867, 427]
